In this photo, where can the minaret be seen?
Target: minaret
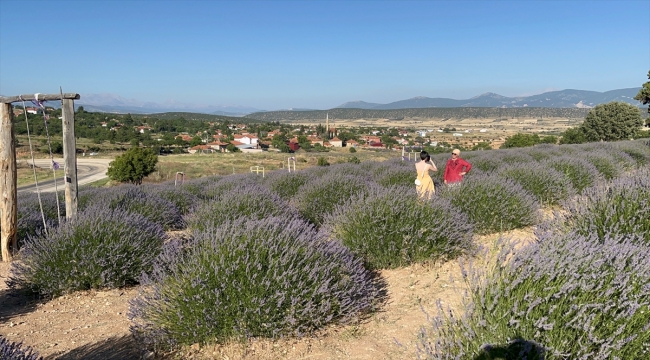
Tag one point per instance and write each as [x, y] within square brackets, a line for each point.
[327, 124]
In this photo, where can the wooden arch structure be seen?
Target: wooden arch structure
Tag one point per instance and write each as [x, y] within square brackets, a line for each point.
[8, 168]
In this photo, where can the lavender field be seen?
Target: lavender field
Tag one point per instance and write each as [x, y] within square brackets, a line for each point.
[229, 258]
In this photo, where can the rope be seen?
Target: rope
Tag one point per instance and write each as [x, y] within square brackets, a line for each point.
[55, 165]
[31, 152]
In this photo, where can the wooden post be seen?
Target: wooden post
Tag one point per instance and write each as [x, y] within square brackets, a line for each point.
[8, 183]
[69, 159]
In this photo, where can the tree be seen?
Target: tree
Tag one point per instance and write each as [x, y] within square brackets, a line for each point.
[232, 148]
[133, 165]
[612, 121]
[644, 94]
[521, 140]
[284, 148]
[196, 141]
[483, 145]
[549, 139]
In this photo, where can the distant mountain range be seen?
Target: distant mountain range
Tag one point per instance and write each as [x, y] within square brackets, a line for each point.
[554, 99]
[112, 103]
[116, 104]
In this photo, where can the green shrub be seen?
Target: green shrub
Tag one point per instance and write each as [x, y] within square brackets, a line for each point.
[133, 166]
[353, 150]
[389, 231]
[322, 161]
[354, 160]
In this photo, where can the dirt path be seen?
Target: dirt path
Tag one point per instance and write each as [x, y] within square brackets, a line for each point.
[93, 324]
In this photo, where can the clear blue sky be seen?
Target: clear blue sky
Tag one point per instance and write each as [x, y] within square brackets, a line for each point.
[320, 54]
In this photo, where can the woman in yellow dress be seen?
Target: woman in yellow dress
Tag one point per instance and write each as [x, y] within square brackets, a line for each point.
[425, 188]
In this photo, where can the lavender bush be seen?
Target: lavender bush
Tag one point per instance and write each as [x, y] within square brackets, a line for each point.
[12, 351]
[316, 199]
[352, 169]
[575, 296]
[389, 231]
[493, 204]
[227, 184]
[546, 184]
[638, 150]
[184, 200]
[487, 163]
[286, 184]
[605, 163]
[398, 175]
[541, 152]
[133, 199]
[581, 172]
[250, 201]
[100, 248]
[620, 207]
[514, 157]
[197, 187]
[272, 277]
[28, 202]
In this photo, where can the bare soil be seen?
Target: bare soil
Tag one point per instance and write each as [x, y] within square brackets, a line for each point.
[93, 324]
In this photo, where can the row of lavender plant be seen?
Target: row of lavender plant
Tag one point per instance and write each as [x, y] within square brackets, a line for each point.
[320, 196]
[581, 291]
[620, 207]
[569, 296]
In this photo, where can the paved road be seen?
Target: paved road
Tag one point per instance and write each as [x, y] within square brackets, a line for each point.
[88, 170]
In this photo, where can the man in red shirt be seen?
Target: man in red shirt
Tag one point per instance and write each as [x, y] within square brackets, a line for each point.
[456, 168]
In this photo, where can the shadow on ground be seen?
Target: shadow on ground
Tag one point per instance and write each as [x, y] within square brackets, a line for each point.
[15, 303]
[518, 348]
[114, 348]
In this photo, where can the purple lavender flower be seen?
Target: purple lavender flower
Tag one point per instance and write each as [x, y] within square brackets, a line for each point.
[270, 277]
[13, 351]
[99, 248]
[390, 231]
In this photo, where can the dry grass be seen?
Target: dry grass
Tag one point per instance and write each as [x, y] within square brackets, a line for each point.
[198, 165]
[26, 173]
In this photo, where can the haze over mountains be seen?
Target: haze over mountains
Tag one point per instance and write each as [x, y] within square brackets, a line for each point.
[554, 99]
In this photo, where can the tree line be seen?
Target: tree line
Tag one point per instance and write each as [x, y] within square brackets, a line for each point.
[432, 113]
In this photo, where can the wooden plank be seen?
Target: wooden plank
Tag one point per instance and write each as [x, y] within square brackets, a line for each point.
[46, 97]
[8, 183]
[69, 159]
